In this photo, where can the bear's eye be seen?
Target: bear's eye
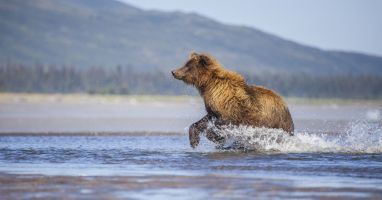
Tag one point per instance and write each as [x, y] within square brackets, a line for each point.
[188, 66]
[188, 63]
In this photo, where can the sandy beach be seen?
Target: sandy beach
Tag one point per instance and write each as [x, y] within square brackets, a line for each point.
[88, 114]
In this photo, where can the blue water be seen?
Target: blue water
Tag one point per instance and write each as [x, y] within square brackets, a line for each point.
[338, 173]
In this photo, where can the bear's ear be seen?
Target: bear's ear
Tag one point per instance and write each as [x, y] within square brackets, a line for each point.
[204, 60]
[193, 55]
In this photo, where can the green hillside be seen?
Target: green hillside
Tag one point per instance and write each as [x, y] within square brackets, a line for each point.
[105, 33]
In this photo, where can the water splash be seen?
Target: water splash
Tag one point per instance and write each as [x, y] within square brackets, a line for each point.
[360, 137]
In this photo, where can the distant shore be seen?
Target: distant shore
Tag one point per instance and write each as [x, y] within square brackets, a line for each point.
[134, 99]
[130, 115]
[91, 98]
[93, 133]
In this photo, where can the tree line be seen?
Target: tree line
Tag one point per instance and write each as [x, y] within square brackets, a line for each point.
[126, 80]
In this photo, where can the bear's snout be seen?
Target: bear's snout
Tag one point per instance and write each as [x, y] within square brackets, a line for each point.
[176, 74]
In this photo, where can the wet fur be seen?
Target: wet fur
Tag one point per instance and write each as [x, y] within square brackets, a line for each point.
[229, 100]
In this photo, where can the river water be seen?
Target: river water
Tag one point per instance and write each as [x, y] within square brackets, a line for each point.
[335, 156]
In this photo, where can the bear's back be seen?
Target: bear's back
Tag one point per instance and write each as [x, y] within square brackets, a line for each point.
[272, 112]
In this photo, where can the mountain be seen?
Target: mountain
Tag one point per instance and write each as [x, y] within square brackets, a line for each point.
[108, 33]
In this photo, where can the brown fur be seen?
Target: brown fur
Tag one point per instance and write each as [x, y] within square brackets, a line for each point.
[230, 100]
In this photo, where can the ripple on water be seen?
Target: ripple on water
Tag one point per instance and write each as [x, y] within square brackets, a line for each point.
[349, 161]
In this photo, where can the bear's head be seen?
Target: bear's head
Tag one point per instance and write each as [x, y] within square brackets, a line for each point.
[197, 70]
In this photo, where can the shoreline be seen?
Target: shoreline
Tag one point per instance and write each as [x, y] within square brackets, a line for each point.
[89, 133]
[81, 114]
[79, 98]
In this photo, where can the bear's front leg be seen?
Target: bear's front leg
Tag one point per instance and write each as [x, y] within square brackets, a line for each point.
[195, 130]
[193, 134]
[215, 137]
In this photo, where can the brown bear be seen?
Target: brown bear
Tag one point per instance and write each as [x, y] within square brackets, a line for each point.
[229, 100]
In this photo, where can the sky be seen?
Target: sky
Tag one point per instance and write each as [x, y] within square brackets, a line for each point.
[350, 25]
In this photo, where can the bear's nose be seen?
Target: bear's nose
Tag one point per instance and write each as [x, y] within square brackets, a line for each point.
[173, 73]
